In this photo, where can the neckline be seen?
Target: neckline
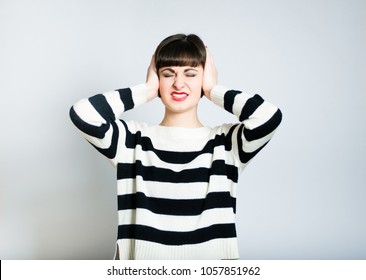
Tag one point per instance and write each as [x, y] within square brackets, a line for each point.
[182, 132]
[163, 127]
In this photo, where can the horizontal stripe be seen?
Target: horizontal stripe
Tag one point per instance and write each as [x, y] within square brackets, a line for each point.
[229, 139]
[215, 249]
[152, 173]
[110, 152]
[261, 115]
[176, 238]
[115, 102]
[229, 98]
[264, 129]
[176, 223]
[244, 156]
[250, 106]
[100, 103]
[149, 158]
[176, 157]
[194, 190]
[182, 207]
[92, 130]
[126, 97]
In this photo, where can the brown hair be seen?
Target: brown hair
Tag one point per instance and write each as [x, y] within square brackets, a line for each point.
[180, 50]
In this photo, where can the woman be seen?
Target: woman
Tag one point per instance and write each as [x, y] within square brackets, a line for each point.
[177, 181]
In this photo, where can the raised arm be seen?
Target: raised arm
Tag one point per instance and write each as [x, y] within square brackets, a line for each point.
[97, 117]
[258, 118]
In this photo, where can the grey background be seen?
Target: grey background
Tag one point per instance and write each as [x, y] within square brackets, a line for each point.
[302, 197]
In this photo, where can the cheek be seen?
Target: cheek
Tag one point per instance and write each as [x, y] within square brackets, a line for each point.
[197, 85]
[163, 85]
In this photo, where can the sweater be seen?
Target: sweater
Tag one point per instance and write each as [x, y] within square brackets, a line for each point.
[176, 187]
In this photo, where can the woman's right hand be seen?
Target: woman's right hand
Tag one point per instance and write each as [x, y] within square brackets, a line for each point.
[209, 75]
[152, 80]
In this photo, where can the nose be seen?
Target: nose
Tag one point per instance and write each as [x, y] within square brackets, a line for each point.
[178, 82]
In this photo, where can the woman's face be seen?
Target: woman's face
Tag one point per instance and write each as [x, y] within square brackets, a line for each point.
[180, 87]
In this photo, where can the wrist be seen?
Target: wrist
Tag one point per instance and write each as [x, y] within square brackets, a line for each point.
[152, 91]
[217, 95]
[208, 91]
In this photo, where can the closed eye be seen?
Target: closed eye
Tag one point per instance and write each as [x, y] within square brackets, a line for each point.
[167, 75]
[168, 72]
[190, 72]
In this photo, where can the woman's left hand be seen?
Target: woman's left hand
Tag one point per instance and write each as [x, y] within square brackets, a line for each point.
[209, 75]
[152, 80]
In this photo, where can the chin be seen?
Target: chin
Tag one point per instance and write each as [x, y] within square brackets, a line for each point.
[181, 108]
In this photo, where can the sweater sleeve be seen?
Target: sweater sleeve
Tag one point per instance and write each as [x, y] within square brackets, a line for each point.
[97, 118]
[258, 121]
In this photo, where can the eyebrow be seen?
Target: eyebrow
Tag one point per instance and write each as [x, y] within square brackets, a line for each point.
[172, 70]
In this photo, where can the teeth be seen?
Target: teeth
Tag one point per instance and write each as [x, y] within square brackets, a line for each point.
[179, 94]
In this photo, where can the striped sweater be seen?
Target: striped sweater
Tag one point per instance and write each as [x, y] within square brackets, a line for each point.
[176, 186]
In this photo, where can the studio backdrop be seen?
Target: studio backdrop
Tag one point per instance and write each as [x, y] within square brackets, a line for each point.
[302, 197]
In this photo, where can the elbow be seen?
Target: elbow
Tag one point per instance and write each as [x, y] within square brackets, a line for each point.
[278, 117]
[72, 114]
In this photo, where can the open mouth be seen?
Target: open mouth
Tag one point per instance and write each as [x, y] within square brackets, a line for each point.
[179, 96]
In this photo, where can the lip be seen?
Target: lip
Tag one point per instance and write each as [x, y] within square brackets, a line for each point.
[179, 96]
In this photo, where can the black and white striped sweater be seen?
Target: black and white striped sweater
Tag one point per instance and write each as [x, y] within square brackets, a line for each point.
[176, 186]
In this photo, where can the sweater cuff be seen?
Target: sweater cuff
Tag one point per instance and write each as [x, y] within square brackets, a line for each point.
[139, 94]
[217, 95]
